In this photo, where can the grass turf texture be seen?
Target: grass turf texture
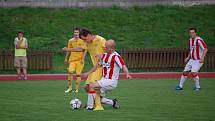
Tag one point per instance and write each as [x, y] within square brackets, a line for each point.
[141, 100]
[137, 27]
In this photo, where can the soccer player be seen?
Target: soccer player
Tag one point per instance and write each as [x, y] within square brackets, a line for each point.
[20, 61]
[95, 46]
[111, 63]
[75, 56]
[198, 51]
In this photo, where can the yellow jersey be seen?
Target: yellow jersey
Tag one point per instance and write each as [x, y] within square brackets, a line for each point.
[96, 47]
[73, 43]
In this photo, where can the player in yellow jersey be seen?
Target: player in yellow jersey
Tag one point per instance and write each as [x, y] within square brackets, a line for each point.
[75, 57]
[95, 47]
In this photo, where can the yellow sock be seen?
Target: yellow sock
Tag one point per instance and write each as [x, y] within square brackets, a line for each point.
[98, 105]
[77, 83]
[70, 81]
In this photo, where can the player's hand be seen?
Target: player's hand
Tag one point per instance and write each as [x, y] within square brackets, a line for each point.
[65, 49]
[128, 76]
[65, 61]
[201, 60]
[186, 59]
[98, 56]
[82, 61]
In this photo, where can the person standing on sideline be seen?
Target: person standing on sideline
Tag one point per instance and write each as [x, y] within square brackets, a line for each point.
[20, 61]
[195, 59]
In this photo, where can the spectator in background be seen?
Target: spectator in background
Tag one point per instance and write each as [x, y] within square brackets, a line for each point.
[20, 62]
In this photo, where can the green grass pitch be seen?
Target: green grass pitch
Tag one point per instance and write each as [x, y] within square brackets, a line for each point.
[140, 100]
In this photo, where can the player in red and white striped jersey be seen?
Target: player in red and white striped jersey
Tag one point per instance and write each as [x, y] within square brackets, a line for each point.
[198, 51]
[111, 63]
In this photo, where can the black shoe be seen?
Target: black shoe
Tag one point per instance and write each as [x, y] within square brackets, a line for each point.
[89, 109]
[178, 88]
[116, 104]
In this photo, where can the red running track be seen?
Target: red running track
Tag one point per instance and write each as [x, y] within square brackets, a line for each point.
[122, 76]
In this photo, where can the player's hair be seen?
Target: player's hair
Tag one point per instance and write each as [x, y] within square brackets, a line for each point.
[192, 28]
[20, 32]
[77, 28]
[85, 32]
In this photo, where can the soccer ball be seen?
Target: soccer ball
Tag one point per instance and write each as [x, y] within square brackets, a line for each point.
[75, 104]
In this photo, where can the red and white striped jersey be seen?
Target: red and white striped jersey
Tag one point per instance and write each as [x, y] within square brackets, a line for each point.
[111, 65]
[197, 47]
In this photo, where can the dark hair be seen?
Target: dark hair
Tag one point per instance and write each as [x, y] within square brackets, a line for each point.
[76, 28]
[192, 28]
[20, 32]
[85, 32]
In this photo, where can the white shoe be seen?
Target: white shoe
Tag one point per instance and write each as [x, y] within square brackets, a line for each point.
[19, 78]
[25, 78]
[76, 91]
[89, 108]
[68, 90]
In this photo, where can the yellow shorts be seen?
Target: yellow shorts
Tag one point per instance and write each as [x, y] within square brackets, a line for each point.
[75, 66]
[95, 76]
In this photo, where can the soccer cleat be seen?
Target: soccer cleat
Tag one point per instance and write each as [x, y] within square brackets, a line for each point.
[116, 104]
[89, 108]
[178, 88]
[25, 78]
[98, 108]
[76, 91]
[19, 78]
[196, 89]
[68, 90]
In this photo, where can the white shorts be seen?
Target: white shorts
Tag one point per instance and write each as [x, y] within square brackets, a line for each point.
[107, 85]
[193, 66]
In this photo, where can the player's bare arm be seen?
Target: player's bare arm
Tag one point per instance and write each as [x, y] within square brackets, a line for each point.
[84, 56]
[203, 55]
[125, 70]
[77, 49]
[18, 43]
[187, 58]
[66, 58]
[26, 46]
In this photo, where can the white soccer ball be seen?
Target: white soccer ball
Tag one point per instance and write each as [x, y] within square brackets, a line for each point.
[75, 104]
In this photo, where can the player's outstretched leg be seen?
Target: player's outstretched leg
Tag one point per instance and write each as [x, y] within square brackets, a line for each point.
[182, 80]
[114, 102]
[91, 97]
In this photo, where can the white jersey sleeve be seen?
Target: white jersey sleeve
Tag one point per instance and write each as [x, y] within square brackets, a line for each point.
[119, 61]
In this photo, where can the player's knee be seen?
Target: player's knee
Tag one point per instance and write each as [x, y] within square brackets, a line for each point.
[70, 72]
[194, 74]
[86, 88]
[185, 73]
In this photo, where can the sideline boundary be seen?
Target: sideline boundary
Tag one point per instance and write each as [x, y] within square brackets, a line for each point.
[145, 75]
